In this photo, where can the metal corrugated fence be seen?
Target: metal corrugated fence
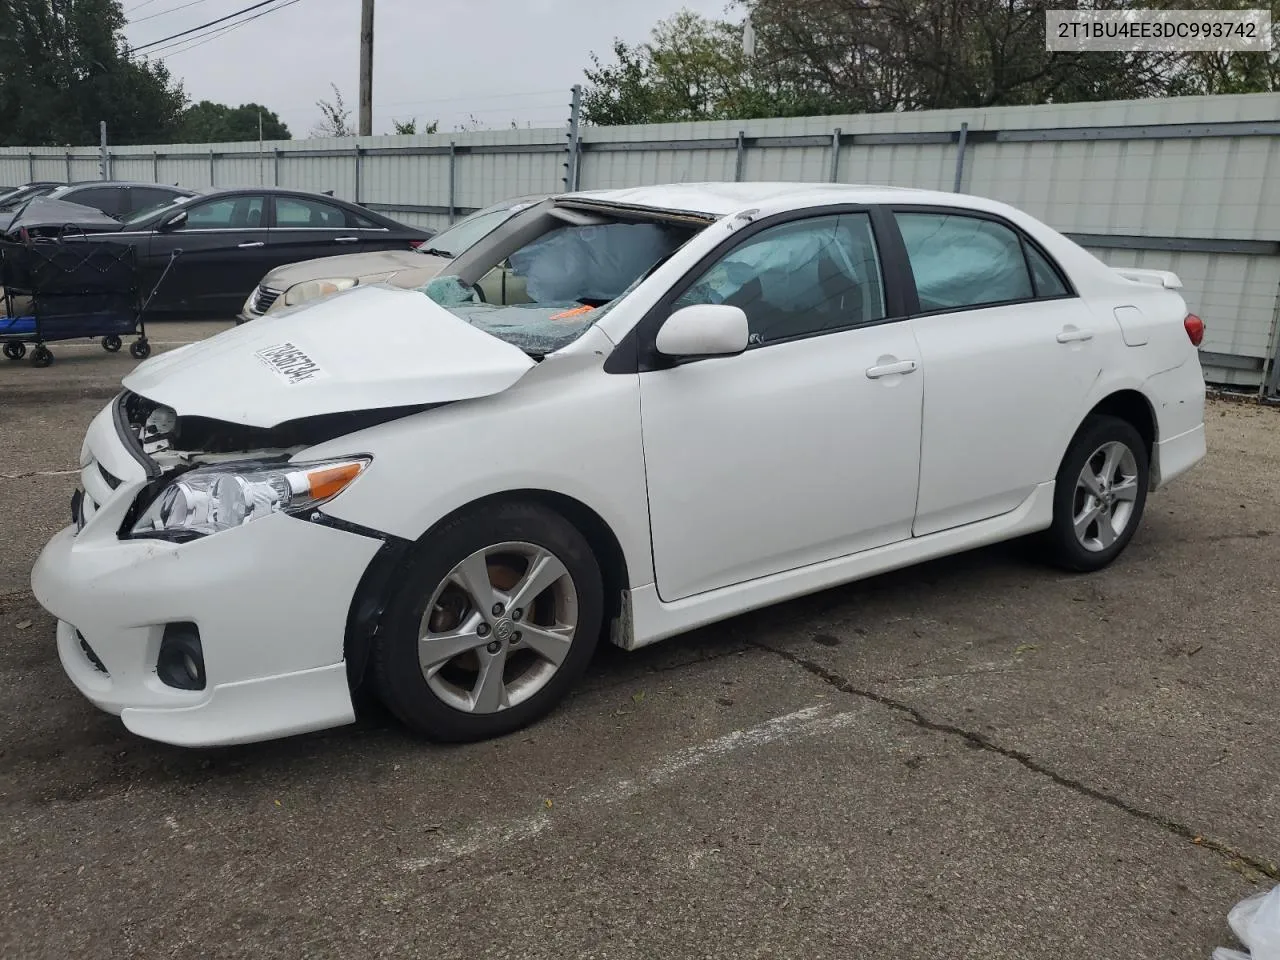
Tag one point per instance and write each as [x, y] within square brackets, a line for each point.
[1187, 184]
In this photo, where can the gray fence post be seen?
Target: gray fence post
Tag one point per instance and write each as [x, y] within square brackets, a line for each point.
[960, 145]
[31, 167]
[1271, 378]
[453, 178]
[68, 166]
[104, 162]
[835, 155]
[359, 158]
[740, 160]
[276, 165]
[211, 158]
[155, 167]
[571, 179]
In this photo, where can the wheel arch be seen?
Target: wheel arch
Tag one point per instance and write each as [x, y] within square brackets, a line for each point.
[1134, 408]
[374, 591]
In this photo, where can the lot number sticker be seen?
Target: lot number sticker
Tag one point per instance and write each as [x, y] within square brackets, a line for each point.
[290, 364]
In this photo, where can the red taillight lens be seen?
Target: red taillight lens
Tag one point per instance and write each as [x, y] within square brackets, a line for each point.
[415, 244]
[1195, 329]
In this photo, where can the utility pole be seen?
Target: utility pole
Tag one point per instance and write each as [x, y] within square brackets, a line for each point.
[574, 135]
[366, 68]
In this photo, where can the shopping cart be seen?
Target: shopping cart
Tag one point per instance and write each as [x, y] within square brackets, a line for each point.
[70, 287]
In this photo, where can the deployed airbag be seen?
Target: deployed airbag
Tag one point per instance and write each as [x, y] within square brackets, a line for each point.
[590, 263]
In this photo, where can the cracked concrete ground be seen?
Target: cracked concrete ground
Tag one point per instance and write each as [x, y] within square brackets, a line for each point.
[978, 757]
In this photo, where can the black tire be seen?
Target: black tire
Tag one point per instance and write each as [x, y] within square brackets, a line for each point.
[111, 343]
[140, 349]
[397, 674]
[1063, 547]
[41, 357]
[15, 350]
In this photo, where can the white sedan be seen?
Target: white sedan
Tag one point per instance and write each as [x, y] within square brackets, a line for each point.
[703, 400]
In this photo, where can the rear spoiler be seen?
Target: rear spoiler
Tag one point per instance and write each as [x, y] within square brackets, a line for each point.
[1161, 278]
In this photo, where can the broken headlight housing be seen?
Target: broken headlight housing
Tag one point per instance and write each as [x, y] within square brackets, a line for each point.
[216, 498]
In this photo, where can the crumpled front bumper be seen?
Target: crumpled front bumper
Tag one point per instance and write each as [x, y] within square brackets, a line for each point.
[270, 600]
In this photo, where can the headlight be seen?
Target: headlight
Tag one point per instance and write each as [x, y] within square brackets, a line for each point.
[315, 289]
[211, 499]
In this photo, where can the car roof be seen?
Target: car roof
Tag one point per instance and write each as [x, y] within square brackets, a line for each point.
[122, 183]
[722, 199]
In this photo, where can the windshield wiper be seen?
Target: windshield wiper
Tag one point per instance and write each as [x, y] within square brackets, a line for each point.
[436, 252]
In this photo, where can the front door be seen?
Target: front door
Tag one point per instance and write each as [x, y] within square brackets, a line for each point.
[1010, 353]
[805, 447]
[223, 243]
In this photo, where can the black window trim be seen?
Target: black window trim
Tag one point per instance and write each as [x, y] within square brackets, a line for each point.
[1025, 240]
[637, 352]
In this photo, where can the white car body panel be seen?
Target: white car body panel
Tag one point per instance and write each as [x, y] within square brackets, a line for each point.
[405, 350]
[728, 483]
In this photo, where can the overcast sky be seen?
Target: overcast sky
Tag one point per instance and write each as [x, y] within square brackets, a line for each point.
[499, 60]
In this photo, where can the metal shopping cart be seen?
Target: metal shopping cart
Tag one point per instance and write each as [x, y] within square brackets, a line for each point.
[69, 287]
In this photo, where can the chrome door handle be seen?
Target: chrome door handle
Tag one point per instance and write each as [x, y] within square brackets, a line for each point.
[345, 239]
[889, 369]
[1072, 335]
[246, 246]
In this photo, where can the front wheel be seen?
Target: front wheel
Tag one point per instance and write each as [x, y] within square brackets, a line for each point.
[111, 343]
[140, 349]
[498, 614]
[1099, 495]
[15, 350]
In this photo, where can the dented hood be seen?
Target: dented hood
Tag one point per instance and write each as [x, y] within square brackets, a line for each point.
[365, 349]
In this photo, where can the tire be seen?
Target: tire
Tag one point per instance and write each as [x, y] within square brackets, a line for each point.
[448, 700]
[111, 343]
[15, 350]
[41, 357]
[140, 349]
[1116, 452]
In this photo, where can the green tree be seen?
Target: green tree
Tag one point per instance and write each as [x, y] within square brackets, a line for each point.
[209, 122]
[65, 66]
[410, 127]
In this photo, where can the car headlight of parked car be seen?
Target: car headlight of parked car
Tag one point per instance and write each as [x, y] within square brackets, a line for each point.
[212, 499]
[315, 289]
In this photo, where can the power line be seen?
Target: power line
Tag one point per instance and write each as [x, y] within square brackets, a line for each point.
[152, 16]
[139, 6]
[211, 23]
[190, 43]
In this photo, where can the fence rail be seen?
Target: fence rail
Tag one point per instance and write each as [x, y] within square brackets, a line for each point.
[1186, 184]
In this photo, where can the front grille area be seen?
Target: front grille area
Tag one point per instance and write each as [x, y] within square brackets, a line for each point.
[263, 298]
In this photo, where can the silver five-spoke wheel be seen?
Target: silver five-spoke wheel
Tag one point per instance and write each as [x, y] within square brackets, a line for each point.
[1105, 495]
[498, 627]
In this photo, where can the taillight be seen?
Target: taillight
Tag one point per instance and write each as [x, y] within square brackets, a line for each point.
[415, 244]
[1195, 329]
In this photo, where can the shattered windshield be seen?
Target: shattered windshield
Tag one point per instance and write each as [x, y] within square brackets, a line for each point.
[548, 293]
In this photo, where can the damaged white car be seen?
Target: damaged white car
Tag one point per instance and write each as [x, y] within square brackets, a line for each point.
[701, 399]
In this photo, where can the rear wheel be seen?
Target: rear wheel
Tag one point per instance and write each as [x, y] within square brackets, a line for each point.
[41, 356]
[15, 350]
[140, 349]
[111, 343]
[497, 616]
[1099, 496]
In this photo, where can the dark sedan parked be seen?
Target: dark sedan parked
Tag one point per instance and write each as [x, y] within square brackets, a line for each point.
[230, 238]
[118, 198]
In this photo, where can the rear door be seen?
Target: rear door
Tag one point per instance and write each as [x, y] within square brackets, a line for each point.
[223, 244]
[1009, 353]
[305, 228]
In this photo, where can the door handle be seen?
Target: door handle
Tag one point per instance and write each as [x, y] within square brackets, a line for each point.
[345, 239]
[246, 246]
[889, 369]
[1073, 335]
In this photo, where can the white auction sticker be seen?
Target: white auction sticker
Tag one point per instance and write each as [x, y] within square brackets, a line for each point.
[290, 364]
[1158, 30]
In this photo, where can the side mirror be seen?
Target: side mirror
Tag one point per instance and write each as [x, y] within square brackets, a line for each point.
[704, 330]
[175, 221]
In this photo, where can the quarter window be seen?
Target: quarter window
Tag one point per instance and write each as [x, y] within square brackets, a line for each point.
[961, 261]
[799, 279]
[1047, 280]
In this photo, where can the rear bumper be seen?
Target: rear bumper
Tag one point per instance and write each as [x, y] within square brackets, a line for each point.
[1177, 455]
